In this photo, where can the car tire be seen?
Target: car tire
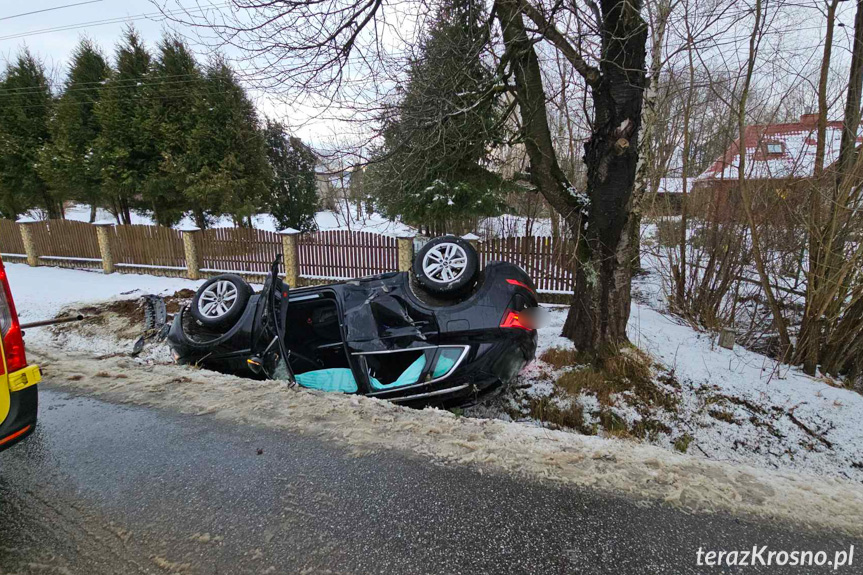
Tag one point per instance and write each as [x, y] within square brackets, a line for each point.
[446, 267]
[221, 301]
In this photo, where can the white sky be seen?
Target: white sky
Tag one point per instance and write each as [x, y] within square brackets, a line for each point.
[53, 34]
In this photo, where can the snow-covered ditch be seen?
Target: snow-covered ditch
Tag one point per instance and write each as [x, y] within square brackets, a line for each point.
[727, 465]
[731, 405]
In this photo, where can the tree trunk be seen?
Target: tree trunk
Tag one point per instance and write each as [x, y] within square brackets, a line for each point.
[647, 162]
[809, 342]
[200, 218]
[601, 304]
[601, 222]
[127, 213]
[92, 213]
[757, 256]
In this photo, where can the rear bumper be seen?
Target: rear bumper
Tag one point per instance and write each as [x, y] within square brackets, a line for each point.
[21, 420]
[21, 379]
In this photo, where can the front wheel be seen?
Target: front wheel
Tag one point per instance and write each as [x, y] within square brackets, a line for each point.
[221, 301]
[446, 266]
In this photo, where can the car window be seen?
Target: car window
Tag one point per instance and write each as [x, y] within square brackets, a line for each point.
[396, 369]
[447, 358]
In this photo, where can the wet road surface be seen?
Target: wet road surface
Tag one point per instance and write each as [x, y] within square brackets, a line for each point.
[102, 488]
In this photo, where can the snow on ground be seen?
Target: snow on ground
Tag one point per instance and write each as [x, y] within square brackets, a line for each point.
[343, 218]
[43, 292]
[648, 473]
[735, 406]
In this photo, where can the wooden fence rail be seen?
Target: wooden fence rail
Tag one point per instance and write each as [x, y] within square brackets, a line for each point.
[340, 254]
[65, 239]
[145, 246]
[10, 238]
[327, 255]
[549, 261]
[238, 250]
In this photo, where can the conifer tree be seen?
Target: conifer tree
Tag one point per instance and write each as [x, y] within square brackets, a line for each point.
[172, 93]
[128, 156]
[69, 162]
[292, 197]
[431, 168]
[25, 109]
[226, 160]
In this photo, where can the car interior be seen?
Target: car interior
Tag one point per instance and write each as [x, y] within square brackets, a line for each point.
[313, 335]
[318, 359]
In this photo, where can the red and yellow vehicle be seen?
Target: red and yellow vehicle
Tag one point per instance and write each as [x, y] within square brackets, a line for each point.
[18, 393]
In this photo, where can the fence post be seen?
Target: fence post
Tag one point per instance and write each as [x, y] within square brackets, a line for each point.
[473, 239]
[102, 234]
[29, 243]
[190, 247]
[291, 254]
[406, 252]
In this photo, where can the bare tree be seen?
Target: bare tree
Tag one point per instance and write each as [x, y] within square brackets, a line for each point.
[343, 52]
[599, 219]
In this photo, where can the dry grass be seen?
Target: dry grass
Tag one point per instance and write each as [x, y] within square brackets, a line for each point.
[559, 358]
[630, 370]
[546, 410]
[723, 415]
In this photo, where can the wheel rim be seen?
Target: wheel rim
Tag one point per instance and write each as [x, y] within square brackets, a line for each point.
[217, 299]
[445, 263]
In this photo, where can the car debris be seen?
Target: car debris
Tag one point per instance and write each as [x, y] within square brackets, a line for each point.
[49, 322]
[155, 322]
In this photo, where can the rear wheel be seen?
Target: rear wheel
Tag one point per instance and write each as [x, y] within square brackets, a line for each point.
[446, 267]
[221, 301]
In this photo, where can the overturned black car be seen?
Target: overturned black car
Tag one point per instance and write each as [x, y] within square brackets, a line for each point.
[443, 334]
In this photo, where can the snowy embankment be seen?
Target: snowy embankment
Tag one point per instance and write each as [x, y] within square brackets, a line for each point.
[93, 360]
[729, 405]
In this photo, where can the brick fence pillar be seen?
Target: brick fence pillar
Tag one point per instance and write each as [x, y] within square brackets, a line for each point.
[29, 243]
[103, 234]
[291, 255]
[190, 247]
[406, 252]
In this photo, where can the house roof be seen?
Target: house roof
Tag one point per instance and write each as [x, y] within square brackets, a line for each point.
[674, 185]
[778, 151]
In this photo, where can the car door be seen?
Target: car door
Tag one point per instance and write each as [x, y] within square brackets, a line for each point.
[394, 370]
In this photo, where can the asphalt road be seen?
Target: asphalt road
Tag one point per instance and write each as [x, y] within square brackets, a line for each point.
[102, 488]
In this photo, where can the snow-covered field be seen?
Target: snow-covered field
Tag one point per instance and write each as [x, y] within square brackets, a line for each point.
[342, 218]
[754, 396]
[326, 220]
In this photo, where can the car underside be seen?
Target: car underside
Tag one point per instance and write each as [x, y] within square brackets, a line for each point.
[391, 336]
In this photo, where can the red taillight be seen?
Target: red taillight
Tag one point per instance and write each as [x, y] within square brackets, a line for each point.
[513, 319]
[13, 340]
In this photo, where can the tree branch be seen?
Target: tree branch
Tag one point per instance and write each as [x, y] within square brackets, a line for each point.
[590, 74]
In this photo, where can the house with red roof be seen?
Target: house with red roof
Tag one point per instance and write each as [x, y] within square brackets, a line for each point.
[779, 166]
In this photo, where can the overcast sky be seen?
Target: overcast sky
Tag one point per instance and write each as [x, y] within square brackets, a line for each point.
[52, 28]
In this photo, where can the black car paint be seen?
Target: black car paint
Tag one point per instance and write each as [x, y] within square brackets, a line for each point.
[381, 314]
